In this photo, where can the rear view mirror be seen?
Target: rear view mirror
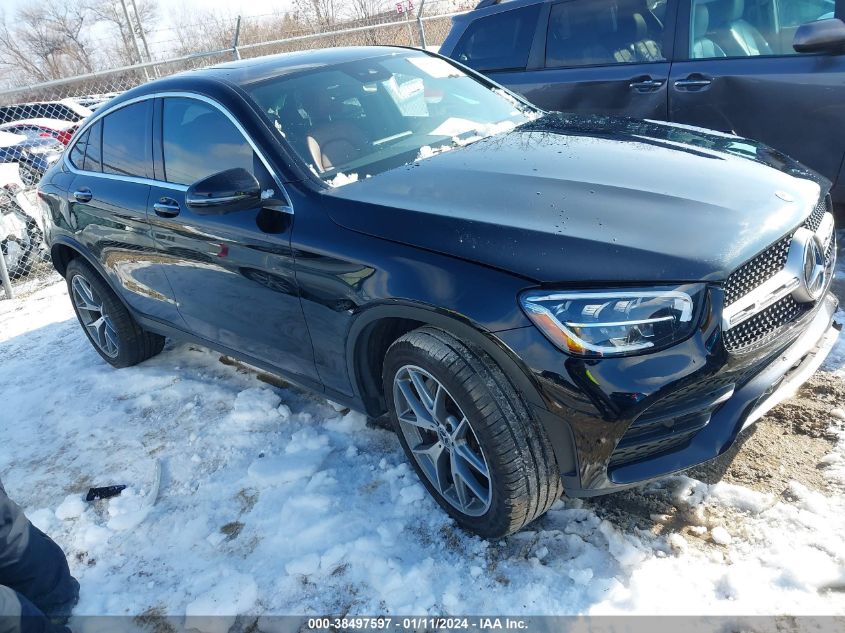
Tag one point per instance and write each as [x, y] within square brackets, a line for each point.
[224, 192]
[821, 36]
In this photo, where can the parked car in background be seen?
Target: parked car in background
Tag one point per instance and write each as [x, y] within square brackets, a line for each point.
[411, 240]
[21, 224]
[92, 102]
[58, 129]
[32, 155]
[769, 70]
[66, 110]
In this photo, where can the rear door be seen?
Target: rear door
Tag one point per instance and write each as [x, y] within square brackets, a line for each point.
[232, 274]
[112, 166]
[740, 74]
[600, 57]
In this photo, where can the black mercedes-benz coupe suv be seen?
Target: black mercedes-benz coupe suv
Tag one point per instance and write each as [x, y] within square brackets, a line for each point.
[541, 303]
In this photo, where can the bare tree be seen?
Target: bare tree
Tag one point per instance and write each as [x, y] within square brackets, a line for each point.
[110, 12]
[48, 41]
[201, 30]
[320, 15]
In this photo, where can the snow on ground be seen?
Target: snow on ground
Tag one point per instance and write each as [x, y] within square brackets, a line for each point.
[272, 502]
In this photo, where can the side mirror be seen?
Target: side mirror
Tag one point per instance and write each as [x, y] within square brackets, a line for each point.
[821, 36]
[224, 192]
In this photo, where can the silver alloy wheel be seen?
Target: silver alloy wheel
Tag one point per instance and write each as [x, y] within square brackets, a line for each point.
[442, 440]
[94, 317]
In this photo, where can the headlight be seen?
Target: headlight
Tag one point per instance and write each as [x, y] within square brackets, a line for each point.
[617, 322]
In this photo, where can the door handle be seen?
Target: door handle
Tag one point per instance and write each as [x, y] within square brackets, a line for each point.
[83, 195]
[646, 84]
[693, 82]
[166, 208]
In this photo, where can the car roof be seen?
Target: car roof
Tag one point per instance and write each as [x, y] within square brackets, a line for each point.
[247, 71]
[9, 139]
[504, 5]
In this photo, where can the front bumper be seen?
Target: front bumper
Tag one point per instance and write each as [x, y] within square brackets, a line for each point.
[685, 405]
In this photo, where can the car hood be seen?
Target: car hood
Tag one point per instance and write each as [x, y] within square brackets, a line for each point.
[582, 199]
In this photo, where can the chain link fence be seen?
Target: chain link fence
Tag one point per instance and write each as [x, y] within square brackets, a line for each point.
[38, 120]
[25, 263]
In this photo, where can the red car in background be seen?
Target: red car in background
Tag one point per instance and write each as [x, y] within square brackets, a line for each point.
[58, 129]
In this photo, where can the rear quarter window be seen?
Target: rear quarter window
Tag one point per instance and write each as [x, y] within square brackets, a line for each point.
[76, 155]
[501, 41]
[127, 141]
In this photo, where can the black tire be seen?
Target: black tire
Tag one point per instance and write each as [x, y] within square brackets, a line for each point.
[523, 474]
[134, 344]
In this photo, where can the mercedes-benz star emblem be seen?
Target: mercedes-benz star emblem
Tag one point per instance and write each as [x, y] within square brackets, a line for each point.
[814, 268]
[812, 276]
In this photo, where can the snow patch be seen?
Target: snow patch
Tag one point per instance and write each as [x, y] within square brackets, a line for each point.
[71, 508]
[215, 610]
[342, 179]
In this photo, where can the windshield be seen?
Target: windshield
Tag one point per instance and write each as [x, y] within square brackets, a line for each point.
[361, 118]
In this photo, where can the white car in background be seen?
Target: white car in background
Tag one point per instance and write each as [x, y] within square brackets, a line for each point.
[65, 109]
[21, 223]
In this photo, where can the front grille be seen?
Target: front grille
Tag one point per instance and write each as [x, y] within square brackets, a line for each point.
[825, 205]
[764, 326]
[757, 271]
[830, 253]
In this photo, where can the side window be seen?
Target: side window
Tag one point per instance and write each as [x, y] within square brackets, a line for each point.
[77, 152]
[198, 140]
[794, 13]
[754, 28]
[93, 155]
[589, 33]
[501, 41]
[127, 149]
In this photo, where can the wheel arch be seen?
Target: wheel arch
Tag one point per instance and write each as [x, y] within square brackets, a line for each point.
[63, 251]
[374, 330]
[372, 333]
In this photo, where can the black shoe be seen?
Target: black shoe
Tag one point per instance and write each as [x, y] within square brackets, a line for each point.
[60, 613]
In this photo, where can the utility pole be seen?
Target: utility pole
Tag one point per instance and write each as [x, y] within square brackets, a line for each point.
[235, 50]
[141, 30]
[420, 26]
[134, 37]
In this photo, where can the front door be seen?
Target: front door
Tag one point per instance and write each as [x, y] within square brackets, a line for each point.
[232, 274]
[742, 76]
[604, 57]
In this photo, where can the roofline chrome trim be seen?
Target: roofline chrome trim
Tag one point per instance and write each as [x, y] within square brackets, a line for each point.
[99, 114]
[782, 284]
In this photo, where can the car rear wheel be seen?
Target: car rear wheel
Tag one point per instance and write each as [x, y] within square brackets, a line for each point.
[109, 326]
[468, 433]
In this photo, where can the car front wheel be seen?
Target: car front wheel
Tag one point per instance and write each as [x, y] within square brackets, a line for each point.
[109, 326]
[468, 433]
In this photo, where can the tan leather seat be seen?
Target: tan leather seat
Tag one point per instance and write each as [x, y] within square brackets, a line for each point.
[333, 142]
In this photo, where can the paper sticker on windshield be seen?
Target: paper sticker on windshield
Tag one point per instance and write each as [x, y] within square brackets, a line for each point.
[435, 67]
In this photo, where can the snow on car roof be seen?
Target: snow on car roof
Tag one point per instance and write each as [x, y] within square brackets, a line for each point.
[53, 124]
[8, 139]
